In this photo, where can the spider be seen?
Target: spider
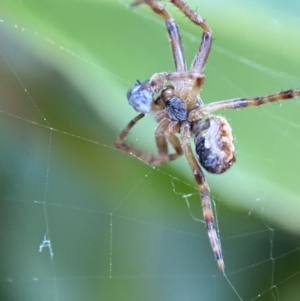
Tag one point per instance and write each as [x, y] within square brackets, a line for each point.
[181, 115]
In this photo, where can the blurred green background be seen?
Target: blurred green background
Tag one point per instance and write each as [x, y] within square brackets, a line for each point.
[119, 229]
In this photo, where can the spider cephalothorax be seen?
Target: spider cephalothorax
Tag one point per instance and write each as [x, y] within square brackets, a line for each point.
[181, 115]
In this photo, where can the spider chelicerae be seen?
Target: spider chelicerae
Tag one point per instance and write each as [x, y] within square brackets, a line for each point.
[181, 115]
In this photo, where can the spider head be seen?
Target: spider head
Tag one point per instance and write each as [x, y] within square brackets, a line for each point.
[214, 144]
[140, 98]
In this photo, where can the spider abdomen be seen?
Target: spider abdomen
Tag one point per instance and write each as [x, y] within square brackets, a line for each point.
[214, 144]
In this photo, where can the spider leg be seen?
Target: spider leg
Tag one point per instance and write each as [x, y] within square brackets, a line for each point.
[205, 195]
[204, 49]
[175, 39]
[239, 103]
[159, 79]
[167, 130]
[164, 133]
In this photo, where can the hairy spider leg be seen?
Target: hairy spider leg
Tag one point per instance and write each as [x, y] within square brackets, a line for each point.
[158, 79]
[173, 31]
[239, 103]
[165, 131]
[177, 49]
[205, 195]
[204, 49]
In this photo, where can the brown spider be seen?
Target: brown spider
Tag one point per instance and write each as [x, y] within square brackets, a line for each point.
[174, 97]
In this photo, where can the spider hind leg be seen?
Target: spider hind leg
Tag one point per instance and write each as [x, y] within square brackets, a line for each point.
[205, 196]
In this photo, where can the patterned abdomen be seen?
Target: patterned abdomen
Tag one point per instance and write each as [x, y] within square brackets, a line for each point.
[214, 144]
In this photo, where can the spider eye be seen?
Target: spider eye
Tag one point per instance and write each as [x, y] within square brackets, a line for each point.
[214, 144]
[140, 99]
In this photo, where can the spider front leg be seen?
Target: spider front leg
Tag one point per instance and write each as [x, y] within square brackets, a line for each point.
[158, 80]
[239, 103]
[204, 49]
[205, 195]
[173, 31]
[164, 133]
